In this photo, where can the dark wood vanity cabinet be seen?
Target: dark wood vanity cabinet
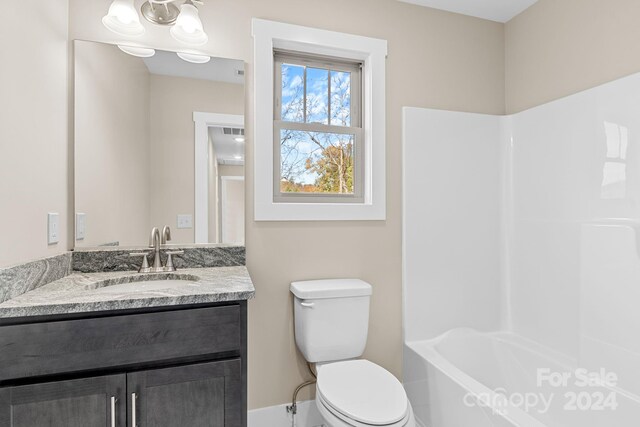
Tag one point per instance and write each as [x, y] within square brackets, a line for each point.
[199, 395]
[170, 368]
[86, 402]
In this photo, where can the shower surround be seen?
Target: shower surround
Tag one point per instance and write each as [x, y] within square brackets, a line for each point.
[529, 225]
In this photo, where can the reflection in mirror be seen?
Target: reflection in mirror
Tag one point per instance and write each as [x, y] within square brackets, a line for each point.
[136, 148]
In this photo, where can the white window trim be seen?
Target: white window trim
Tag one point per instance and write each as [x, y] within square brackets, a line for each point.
[268, 35]
[202, 122]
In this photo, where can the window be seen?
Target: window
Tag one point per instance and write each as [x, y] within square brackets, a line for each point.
[317, 129]
[318, 134]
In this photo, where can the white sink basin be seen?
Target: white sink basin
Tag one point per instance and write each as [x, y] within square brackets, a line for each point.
[146, 285]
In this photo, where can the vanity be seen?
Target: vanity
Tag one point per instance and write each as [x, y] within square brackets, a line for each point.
[127, 329]
[106, 349]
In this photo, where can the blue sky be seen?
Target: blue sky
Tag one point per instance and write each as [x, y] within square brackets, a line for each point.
[299, 145]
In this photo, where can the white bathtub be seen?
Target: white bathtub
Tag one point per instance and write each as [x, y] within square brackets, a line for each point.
[466, 378]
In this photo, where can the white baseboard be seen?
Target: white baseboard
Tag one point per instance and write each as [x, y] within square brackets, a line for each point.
[277, 416]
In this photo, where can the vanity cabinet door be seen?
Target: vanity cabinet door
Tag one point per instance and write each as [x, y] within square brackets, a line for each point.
[88, 402]
[198, 395]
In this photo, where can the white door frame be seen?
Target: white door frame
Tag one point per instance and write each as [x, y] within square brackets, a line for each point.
[223, 189]
[203, 121]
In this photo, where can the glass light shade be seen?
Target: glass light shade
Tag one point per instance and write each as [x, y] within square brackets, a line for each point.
[123, 19]
[193, 58]
[141, 52]
[188, 27]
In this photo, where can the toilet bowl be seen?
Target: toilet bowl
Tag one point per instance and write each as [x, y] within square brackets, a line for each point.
[362, 394]
[331, 326]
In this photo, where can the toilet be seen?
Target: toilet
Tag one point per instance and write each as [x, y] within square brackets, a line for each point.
[331, 326]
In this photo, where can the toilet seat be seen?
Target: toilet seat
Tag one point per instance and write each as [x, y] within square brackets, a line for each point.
[335, 419]
[361, 393]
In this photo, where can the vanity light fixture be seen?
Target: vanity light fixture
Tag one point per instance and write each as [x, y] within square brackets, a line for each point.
[140, 52]
[239, 139]
[237, 157]
[186, 26]
[123, 19]
[194, 58]
[160, 12]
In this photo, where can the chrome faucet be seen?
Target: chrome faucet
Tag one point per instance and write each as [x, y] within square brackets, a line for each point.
[166, 234]
[156, 240]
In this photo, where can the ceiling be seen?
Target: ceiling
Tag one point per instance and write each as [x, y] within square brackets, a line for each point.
[493, 10]
[226, 147]
[217, 69]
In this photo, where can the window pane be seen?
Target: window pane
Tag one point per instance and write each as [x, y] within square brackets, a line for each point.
[340, 98]
[316, 162]
[317, 96]
[292, 93]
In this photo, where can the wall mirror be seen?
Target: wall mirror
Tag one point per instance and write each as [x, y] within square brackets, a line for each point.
[159, 140]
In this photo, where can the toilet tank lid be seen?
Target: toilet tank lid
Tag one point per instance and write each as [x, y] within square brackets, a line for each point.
[330, 288]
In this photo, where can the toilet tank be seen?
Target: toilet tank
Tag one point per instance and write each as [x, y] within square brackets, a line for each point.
[331, 318]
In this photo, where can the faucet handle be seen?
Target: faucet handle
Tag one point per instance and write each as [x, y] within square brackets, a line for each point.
[169, 265]
[144, 268]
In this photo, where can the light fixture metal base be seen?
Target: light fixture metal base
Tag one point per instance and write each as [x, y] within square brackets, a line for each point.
[160, 12]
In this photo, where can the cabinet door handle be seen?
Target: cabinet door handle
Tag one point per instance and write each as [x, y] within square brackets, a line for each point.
[113, 411]
[134, 397]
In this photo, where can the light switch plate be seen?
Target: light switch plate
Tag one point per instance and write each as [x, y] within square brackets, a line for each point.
[53, 228]
[81, 225]
[185, 221]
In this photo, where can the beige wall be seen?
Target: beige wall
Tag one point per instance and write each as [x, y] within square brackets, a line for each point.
[230, 170]
[111, 144]
[34, 143]
[173, 101]
[436, 59]
[559, 47]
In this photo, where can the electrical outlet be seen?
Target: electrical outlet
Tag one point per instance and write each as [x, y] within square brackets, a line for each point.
[53, 228]
[81, 225]
[185, 221]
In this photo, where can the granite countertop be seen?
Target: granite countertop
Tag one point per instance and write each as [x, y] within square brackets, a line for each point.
[90, 292]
